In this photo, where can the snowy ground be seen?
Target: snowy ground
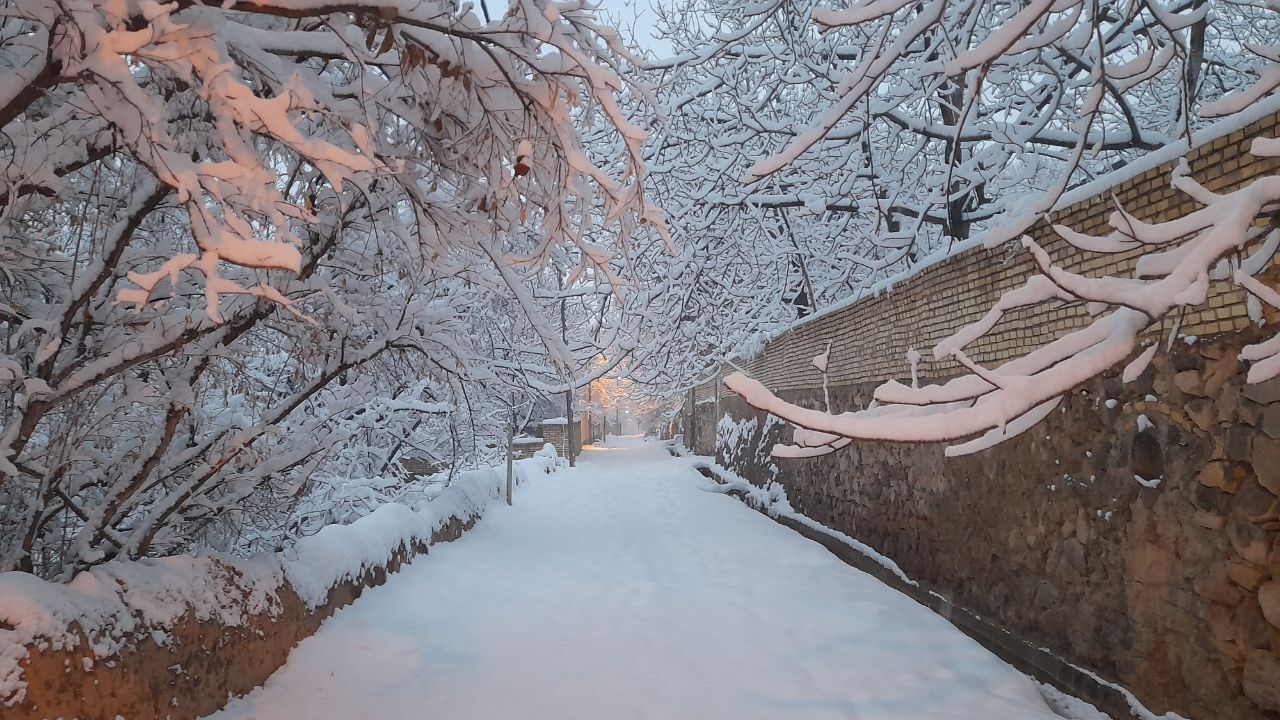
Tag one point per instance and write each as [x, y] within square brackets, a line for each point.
[621, 590]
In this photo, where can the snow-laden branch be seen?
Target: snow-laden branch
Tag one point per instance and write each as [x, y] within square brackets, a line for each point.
[253, 248]
[993, 404]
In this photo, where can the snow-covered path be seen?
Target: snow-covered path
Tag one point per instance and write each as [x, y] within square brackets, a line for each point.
[621, 590]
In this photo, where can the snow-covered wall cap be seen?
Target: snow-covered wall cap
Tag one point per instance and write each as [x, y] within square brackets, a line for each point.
[117, 601]
[340, 553]
[560, 420]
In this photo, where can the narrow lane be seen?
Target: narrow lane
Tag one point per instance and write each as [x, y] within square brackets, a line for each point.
[621, 590]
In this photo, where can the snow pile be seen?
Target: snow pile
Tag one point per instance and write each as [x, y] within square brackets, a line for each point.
[675, 446]
[1067, 706]
[772, 499]
[1077, 709]
[114, 603]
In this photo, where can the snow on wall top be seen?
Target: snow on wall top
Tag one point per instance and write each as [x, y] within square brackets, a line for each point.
[119, 600]
[114, 601]
[560, 420]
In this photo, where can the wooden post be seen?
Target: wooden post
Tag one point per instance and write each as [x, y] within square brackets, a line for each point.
[511, 431]
[591, 430]
[688, 426]
[568, 426]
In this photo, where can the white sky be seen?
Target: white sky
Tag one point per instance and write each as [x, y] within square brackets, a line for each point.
[627, 15]
[634, 15]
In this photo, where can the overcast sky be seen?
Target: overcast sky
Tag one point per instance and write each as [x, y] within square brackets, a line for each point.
[634, 18]
[629, 12]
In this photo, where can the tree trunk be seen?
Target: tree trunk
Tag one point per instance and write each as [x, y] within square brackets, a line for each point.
[511, 432]
[569, 433]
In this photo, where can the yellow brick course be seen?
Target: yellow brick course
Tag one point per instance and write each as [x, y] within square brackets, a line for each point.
[870, 338]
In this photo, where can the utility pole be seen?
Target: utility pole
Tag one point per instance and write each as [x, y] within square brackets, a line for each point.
[688, 426]
[591, 428]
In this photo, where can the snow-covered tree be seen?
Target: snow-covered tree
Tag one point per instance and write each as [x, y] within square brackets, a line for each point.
[249, 246]
[1100, 83]
[806, 150]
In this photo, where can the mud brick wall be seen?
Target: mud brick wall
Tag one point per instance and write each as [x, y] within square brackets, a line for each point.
[201, 665]
[1172, 591]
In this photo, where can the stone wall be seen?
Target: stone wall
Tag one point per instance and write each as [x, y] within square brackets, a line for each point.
[1167, 590]
[701, 435]
[1173, 590]
[200, 664]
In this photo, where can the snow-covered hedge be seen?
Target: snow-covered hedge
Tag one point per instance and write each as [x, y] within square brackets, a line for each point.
[114, 604]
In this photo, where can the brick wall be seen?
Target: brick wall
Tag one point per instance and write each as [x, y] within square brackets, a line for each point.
[870, 338]
[1172, 591]
[523, 448]
[554, 433]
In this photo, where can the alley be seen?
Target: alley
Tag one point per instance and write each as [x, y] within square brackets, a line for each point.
[620, 590]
